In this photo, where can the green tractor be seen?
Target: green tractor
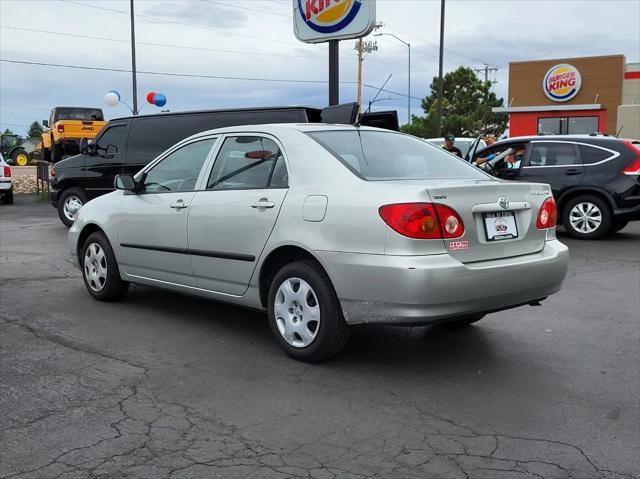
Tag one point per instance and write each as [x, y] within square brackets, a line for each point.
[13, 150]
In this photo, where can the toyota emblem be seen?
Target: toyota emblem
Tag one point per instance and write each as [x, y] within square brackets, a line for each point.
[503, 202]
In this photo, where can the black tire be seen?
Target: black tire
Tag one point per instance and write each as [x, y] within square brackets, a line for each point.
[18, 156]
[332, 331]
[463, 321]
[605, 212]
[113, 287]
[56, 153]
[617, 226]
[68, 194]
[46, 154]
[7, 198]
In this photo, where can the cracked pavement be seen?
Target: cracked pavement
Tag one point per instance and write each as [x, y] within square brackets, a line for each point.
[167, 386]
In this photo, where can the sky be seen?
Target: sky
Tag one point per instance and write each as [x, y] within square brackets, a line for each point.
[254, 39]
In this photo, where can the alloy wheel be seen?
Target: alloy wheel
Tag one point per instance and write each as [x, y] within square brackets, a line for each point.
[297, 312]
[95, 267]
[72, 205]
[585, 217]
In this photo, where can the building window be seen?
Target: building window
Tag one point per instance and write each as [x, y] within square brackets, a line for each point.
[573, 125]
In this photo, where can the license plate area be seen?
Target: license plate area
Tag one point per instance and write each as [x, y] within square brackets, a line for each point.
[500, 225]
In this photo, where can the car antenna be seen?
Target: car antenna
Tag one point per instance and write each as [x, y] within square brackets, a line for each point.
[357, 123]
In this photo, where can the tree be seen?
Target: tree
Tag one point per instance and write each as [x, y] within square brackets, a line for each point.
[35, 130]
[466, 107]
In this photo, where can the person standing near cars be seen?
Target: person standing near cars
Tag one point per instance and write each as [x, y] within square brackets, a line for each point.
[489, 140]
[448, 145]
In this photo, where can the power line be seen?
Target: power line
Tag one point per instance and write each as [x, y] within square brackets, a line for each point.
[193, 75]
[167, 20]
[245, 8]
[183, 47]
[118, 40]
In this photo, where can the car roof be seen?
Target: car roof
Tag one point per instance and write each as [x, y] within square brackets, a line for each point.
[275, 128]
[222, 110]
[519, 139]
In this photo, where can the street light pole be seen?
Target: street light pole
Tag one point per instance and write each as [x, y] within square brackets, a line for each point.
[440, 85]
[133, 62]
[408, 45]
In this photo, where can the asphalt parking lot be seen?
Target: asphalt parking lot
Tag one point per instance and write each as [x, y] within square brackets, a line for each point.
[163, 385]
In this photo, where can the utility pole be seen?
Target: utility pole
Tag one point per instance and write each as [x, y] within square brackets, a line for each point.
[133, 62]
[334, 72]
[440, 62]
[363, 47]
[487, 69]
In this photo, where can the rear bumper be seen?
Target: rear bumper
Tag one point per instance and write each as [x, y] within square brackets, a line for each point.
[5, 185]
[424, 289]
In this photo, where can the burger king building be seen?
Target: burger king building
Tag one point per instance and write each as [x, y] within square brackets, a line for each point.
[574, 96]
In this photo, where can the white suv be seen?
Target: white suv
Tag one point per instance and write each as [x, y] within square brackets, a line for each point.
[6, 187]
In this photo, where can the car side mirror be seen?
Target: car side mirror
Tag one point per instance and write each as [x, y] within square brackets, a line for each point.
[45, 123]
[124, 182]
[111, 150]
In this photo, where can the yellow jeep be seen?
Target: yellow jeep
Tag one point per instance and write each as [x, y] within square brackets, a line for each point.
[65, 127]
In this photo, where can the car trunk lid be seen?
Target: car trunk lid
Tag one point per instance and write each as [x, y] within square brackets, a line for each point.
[499, 217]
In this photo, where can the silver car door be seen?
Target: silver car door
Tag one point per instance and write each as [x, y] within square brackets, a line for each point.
[152, 224]
[231, 220]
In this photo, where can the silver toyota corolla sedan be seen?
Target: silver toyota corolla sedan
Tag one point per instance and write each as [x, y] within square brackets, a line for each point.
[323, 226]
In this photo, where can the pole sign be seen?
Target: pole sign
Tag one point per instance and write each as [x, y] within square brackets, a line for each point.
[562, 82]
[316, 21]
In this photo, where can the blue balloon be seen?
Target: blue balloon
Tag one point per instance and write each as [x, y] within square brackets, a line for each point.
[159, 100]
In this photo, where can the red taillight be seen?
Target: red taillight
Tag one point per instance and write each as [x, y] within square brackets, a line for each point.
[60, 128]
[548, 214]
[634, 168]
[7, 172]
[423, 220]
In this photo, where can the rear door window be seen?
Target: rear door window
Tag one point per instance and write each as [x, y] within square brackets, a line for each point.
[248, 162]
[553, 154]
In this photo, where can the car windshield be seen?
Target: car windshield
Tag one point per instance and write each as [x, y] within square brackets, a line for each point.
[87, 114]
[379, 156]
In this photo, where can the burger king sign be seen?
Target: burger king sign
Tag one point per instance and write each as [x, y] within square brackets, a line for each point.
[562, 82]
[317, 21]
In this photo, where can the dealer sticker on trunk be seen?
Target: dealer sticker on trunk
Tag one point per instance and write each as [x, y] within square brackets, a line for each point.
[458, 245]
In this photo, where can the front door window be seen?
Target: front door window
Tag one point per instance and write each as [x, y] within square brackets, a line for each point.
[178, 171]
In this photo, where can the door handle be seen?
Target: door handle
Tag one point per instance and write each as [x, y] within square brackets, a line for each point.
[263, 203]
[179, 205]
[572, 172]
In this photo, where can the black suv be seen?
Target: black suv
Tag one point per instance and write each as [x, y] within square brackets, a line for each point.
[595, 179]
[125, 145]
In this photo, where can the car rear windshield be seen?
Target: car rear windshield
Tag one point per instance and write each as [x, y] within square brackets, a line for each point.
[379, 156]
[86, 114]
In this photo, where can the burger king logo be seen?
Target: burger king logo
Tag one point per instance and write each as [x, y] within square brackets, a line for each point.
[562, 82]
[328, 16]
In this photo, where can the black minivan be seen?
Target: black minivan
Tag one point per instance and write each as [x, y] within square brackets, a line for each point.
[125, 145]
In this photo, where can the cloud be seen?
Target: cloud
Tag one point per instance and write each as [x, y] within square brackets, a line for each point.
[495, 32]
[199, 13]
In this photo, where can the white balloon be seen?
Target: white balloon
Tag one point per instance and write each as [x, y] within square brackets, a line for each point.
[112, 98]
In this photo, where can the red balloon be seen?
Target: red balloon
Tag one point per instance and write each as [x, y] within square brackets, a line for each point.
[150, 96]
